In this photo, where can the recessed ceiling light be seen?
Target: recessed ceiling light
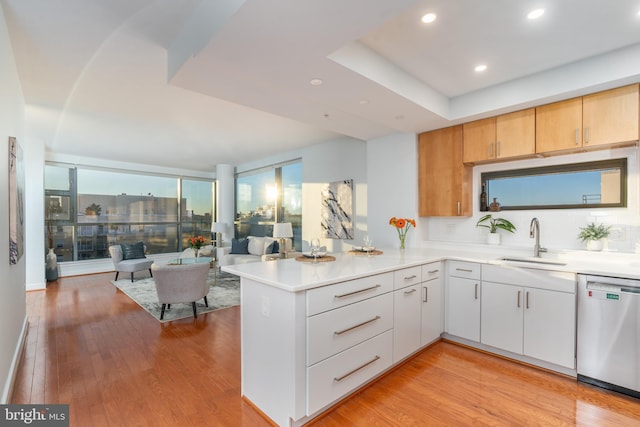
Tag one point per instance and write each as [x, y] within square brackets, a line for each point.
[364, 102]
[428, 18]
[535, 14]
[480, 68]
[315, 82]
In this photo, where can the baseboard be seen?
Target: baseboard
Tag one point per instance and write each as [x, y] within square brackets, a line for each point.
[7, 392]
[36, 286]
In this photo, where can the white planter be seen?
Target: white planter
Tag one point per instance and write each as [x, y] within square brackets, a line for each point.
[594, 245]
[493, 238]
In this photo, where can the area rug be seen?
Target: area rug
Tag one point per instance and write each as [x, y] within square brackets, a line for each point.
[224, 291]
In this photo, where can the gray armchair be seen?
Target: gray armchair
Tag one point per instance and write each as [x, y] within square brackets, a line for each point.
[185, 283]
[130, 265]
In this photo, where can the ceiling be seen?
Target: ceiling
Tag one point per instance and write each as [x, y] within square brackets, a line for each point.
[195, 83]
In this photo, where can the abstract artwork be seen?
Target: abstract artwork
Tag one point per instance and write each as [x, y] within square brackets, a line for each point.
[337, 210]
[16, 202]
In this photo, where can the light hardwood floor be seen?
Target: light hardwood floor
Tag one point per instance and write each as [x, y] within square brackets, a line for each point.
[90, 346]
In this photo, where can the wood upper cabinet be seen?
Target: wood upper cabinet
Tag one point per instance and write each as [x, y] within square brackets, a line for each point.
[479, 140]
[611, 116]
[604, 118]
[516, 134]
[559, 126]
[444, 182]
[505, 136]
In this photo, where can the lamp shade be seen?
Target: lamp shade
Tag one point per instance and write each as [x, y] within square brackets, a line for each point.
[282, 230]
[218, 227]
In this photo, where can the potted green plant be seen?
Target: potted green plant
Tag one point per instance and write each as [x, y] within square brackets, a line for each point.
[495, 224]
[593, 234]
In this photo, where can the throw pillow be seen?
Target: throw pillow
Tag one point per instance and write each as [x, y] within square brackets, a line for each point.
[256, 245]
[132, 251]
[239, 247]
[272, 248]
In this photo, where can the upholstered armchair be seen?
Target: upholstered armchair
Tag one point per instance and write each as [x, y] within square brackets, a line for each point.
[182, 283]
[130, 258]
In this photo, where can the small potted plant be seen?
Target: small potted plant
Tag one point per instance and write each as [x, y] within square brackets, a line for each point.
[593, 234]
[495, 224]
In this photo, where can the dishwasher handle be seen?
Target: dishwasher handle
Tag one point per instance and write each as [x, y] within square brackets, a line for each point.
[608, 287]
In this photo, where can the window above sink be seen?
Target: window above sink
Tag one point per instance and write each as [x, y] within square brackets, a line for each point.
[569, 186]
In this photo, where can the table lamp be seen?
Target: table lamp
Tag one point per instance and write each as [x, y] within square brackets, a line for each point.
[281, 231]
[217, 228]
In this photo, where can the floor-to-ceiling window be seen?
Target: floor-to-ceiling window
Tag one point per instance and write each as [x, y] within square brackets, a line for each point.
[89, 209]
[267, 196]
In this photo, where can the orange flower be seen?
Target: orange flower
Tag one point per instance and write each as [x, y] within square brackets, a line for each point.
[401, 222]
[197, 242]
[392, 221]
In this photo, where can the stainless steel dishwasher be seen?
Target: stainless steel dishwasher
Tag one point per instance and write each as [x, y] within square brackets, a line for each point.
[608, 353]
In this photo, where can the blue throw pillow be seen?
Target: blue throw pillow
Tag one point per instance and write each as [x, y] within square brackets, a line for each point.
[240, 247]
[273, 248]
[132, 251]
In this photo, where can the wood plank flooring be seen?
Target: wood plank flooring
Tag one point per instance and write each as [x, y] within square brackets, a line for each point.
[92, 347]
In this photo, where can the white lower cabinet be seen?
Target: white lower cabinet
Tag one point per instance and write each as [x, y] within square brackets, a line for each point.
[406, 321]
[527, 320]
[335, 377]
[463, 308]
[431, 313]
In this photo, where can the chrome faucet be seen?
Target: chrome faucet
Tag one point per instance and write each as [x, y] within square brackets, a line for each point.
[534, 231]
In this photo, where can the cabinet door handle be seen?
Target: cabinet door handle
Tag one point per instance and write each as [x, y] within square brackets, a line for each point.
[466, 270]
[426, 294]
[519, 299]
[586, 135]
[476, 291]
[527, 298]
[433, 271]
[410, 291]
[338, 379]
[458, 208]
[410, 277]
[498, 149]
[351, 328]
[490, 150]
[577, 136]
[357, 292]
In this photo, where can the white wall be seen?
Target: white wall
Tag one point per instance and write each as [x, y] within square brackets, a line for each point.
[329, 162]
[392, 166]
[393, 191]
[12, 289]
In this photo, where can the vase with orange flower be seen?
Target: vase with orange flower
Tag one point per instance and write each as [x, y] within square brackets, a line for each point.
[196, 243]
[402, 226]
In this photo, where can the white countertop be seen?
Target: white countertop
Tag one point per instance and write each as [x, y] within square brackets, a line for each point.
[295, 276]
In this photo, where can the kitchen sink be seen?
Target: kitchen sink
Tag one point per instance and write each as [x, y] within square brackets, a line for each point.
[532, 260]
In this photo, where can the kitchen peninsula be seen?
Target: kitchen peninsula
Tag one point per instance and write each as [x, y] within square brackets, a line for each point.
[314, 333]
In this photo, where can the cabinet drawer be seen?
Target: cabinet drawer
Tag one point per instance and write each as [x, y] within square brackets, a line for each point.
[431, 271]
[337, 376]
[467, 270]
[407, 277]
[333, 331]
[338, 295]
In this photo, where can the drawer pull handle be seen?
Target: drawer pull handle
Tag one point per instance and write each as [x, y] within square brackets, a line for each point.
[476, 291]
[356, 326]
[466, 270]
[338, 379]
[527, 303]
[426, 294]
[433, 271]
[519, 299]
[410, 291]
[410, 277]
[357, 292]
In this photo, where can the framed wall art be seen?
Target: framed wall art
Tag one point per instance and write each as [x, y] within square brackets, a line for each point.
[16, 201]
[337, 210]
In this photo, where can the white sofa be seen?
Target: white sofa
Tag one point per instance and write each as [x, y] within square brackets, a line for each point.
[257, 248]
